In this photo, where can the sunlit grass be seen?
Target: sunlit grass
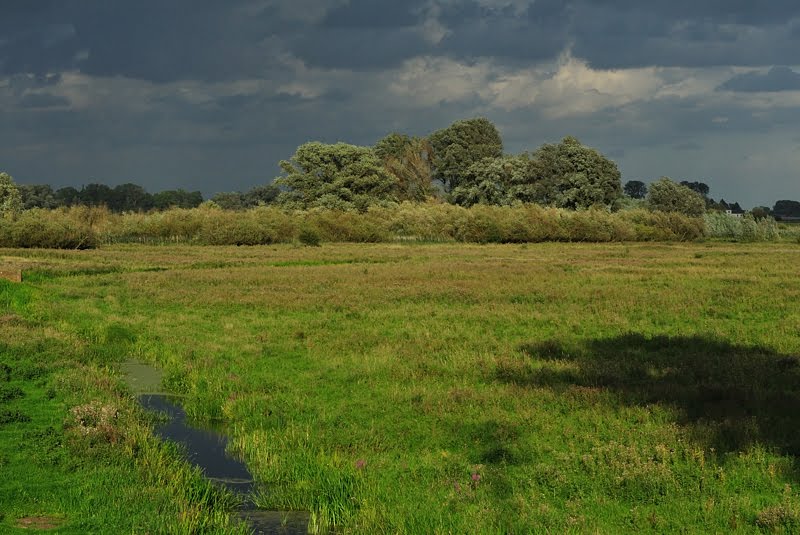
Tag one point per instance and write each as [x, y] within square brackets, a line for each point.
[462, 388]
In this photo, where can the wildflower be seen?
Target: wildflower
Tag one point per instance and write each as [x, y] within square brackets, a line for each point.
[360, 464]
[476, 477]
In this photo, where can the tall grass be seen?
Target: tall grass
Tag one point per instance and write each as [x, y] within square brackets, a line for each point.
[85, 227]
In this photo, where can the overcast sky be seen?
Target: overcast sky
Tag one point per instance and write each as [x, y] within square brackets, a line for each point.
[210, 94]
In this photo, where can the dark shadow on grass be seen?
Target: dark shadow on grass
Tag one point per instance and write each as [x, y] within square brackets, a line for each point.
[731, 396]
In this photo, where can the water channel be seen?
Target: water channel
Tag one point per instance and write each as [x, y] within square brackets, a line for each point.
[206, 448]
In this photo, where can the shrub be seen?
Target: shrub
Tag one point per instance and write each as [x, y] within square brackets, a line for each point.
[667, 196]
[52, 229]
[310, 237]
[83, 227]
[747, 228]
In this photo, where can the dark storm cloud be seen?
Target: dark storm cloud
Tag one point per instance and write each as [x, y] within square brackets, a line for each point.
[776, 79]
[180, 93]
[373, 15]
[685, 34]
[211, 40]
[147, 39]
[540, 33]
[363, 49]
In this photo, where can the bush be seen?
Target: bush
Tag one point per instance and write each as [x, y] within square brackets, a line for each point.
[747, 228]
[667, 196]
[309, 237]
[51, 229]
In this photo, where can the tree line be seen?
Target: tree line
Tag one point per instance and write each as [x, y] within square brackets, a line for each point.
[131, 197]
[463, 164]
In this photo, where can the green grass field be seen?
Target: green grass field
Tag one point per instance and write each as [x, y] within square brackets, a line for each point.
[443, 388]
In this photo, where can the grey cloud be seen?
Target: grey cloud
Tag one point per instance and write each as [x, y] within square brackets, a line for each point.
[776, 79]
[42, 100]
[365, 49]
[689, 145]
[371, 14]
[209, 40]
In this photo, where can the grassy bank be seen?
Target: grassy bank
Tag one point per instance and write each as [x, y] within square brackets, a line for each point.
[76, 454]
[458, 388]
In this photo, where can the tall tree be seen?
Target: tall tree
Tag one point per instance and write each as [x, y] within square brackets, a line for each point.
[572, 175]
[37, 196]
[786, 208]
[96, 195]
[497, 181]
[700, 187]
[339, 176]
[10, 198]
[130, 197]
[68, 196]
[408, 160]
[178, 198]
[635, 189]
[392, 145]
[460, 145]
[666, 195]
[259, 195]
[229, 200]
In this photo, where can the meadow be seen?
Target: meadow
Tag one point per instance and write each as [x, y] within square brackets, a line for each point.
[411, 388]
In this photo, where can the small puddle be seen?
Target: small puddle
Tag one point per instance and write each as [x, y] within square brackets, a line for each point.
[206, 448]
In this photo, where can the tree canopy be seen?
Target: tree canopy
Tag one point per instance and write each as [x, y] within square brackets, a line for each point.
[460, 145]
[635, 189]
[408, 160]
[10, 198]
[786, 209]
[566, 175]
[338, 176]
[666, 195]
[576, 176]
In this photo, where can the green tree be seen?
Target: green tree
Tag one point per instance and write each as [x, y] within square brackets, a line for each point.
[37, 196]
[10, 198]
[68, 196]
[229, 200]
[761, 212]
[259, 195]
[178, 198]
[668, 196]
[786, 208]
[501, 180]
[96, 195]
[393, 145]
[700, 187]
[339, 176]
[571, 175]
[129, 197]
[635, 189]
[408, 160]
[460, 145]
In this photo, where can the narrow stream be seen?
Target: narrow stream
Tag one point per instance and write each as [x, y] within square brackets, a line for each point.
[206, 448]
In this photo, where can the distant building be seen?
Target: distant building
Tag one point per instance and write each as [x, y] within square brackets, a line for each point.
[733, 213]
